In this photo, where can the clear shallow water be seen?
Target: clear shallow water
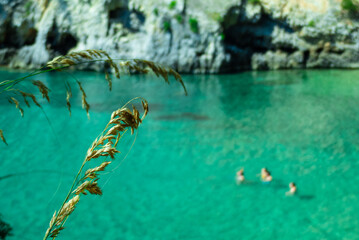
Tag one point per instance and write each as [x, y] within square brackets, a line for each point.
[178, 180]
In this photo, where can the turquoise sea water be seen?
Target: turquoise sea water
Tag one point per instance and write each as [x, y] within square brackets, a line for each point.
[177, 182]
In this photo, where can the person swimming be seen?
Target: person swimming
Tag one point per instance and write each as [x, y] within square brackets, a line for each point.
[266, 176]
[240, 176]
[292, 189]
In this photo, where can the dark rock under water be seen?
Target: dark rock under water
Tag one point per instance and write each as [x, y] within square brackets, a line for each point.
[183, 116]
[5, 229]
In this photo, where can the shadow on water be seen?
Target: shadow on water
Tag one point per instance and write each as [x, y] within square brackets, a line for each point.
[33, 172]
[275, 184]
[183, 116]
[306, 197]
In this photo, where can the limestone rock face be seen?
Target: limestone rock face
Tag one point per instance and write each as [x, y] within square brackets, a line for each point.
[209, 36]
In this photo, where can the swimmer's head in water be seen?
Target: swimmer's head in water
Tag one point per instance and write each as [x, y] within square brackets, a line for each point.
[265, 171]
[292, 184]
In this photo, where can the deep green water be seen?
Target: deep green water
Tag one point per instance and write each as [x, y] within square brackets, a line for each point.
[178, 180]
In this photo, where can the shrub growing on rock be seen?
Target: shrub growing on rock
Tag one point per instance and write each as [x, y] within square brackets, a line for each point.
[349, 5]
[254, 1]
[311, 23]
[179, 18]
[172, 5]
[193, 24]
[166, 26]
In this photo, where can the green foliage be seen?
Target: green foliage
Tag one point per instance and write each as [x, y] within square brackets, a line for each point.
[349, 6]
[155, 11]
[254, 1]
[223, 36]
[311, 23]
[216, 16]
[179, 18]
[172, 5]
[166, 26]
[193, 24]
[28, 8]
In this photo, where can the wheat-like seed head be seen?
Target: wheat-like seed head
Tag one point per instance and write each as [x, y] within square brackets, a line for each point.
[90, 186]
[56, 232]
[2, 137]
[17, 104]
[85, 104]
[92, 172]
[87, 56]
[135, 65]
[142, 66]
[109, 79]
[93, 188]
[103, 146]
[75, 58]
[25, 100]
[68, 96]
[42, 88]
[121, 120]
[30, 95]
[67, 209]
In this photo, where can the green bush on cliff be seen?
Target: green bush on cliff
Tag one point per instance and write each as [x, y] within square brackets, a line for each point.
[216, 16]
[179, 18]
[155, 11]
[166, 26]
[172, 5]
[254, 1]
[311, 23]
[349, 6]
[193, 24]
[28, 8]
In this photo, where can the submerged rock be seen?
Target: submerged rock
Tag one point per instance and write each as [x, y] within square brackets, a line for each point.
[192, 36]
[5, 229]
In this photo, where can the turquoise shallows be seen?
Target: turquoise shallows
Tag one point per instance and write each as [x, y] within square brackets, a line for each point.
[177, 182]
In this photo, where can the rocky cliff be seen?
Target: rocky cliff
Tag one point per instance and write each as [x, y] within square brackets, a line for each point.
[193, 36]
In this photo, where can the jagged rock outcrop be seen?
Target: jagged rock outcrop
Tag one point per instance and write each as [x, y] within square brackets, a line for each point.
[192, 36]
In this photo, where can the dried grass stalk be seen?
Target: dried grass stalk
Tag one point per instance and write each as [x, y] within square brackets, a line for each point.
[67, 209]
[135, 65]
[68, 96]
[104, 146]
[75, 58]
[2, 137]
[109, 79]
[51, 223]
[56, 232]
[17, 104]
[143, 66]
[25, 95]
[25, 100]
[85, 104]
[93, 188]
[42, 88]
[92, 172]
[85, 56]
